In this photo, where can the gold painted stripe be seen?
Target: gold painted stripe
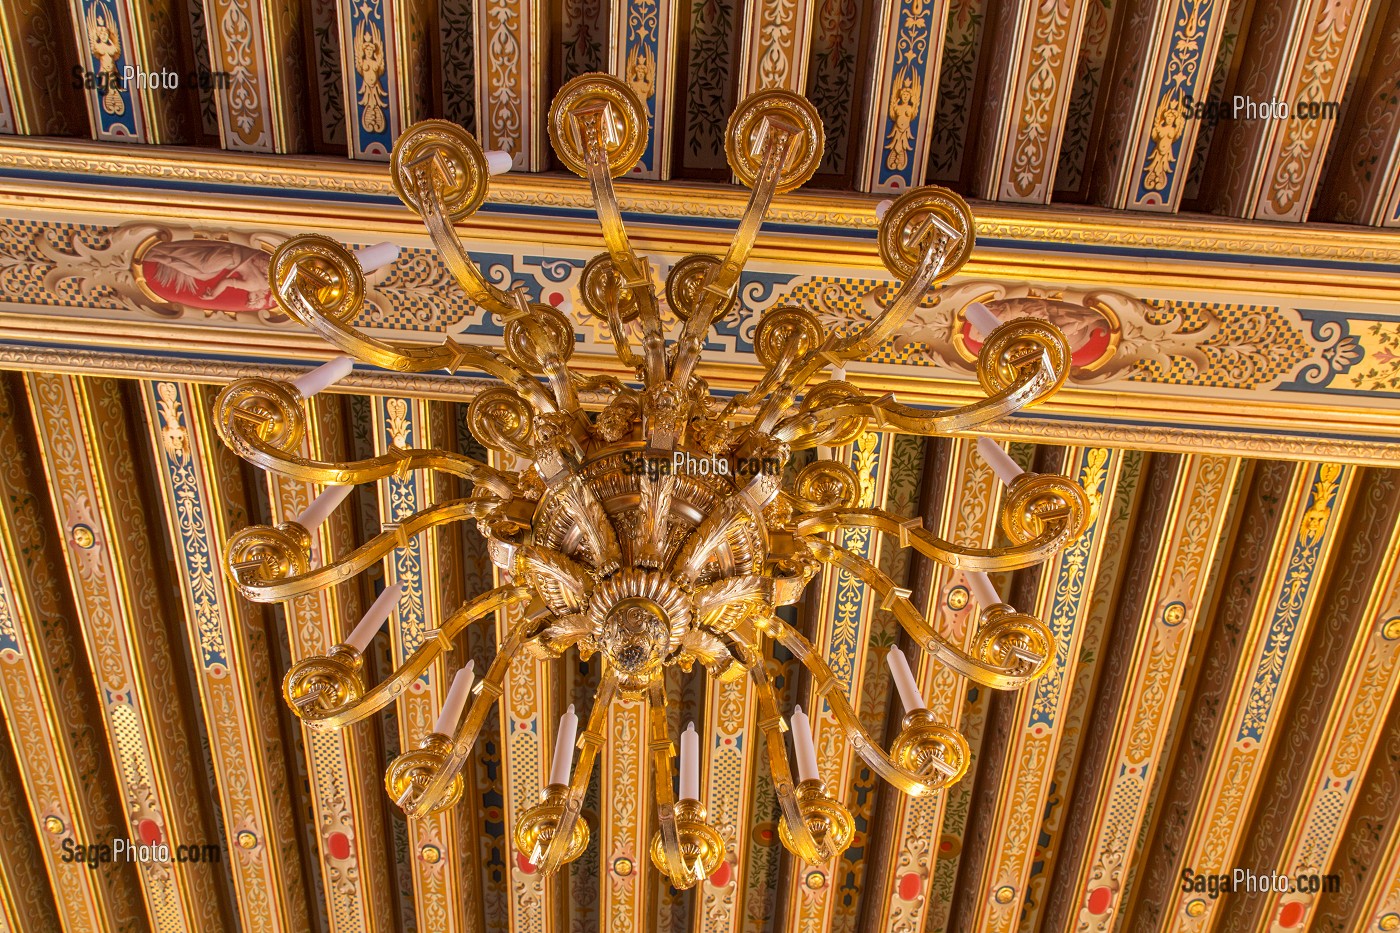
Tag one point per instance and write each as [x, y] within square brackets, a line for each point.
[437, 847]
[1300, 54]
[1062, 602]
[1288, 591]
[201, 489]
[967, 516]
[46, 694]
[259, 45]
[347, 794]
[776, 43]
[844, 608]
[511, 68]
[626, 875]
[36, 65]
[1030, 79]
[1176, 585]
[87, 453]
[529, 716]
[1347, 738]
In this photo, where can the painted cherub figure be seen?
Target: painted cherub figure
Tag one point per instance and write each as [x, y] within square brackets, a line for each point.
[369, 63]
[106, 47]
[904, 107]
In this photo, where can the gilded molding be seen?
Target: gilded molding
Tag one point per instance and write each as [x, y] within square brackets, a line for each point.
[385, 61]
[1300, 53]
[92, 483]
[1149, 135]
[1200, 493]
[1031, 78]
[642, 49]
[117, 34]
[202, 493]
[342, 767]
[1063, 600]
[511, 97]
[906, 62]
[438, 843]
[259, 45]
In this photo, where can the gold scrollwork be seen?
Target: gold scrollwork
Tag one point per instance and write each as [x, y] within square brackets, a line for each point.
[324, 272]
[452, 155]
[702, 847]
[598, 103]
[500, 420]
[917, 216]
[775, 111]
[685, 283]
[827, 820]
[271, 410]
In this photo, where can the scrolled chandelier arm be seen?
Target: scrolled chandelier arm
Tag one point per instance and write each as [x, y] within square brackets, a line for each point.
[650, 568]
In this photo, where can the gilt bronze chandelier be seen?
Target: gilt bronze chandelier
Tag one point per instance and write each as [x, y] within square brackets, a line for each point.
[662, 527]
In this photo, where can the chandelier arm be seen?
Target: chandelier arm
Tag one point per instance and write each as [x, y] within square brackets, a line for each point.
[433, 210]
[775, 376]
[246, 568]
[874, 334]
[413, 667]
[244, 437]
[662, 751]
[634, 271]
[896, 599]
[771, 722]
[488, 691]
[622, 343]
[833, 691]
[590, 743]
[552, 363]
[723, 280]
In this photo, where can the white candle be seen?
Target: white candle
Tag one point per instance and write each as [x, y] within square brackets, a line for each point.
[564, 747]
[323, 376]
[376, 257]
[982, 589]
[904, 681]
[456, 700]
[690, 763]
[498, 162]
[802, 743]
[839, 374]
[322, 506]
[365, 631]
[999, 460]
[883, 208]
[982, 319]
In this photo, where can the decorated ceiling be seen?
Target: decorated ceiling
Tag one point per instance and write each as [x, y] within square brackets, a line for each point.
[1228, 630]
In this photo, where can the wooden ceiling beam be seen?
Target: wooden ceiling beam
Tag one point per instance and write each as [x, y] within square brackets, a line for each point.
[26, 901]
[995, 878]
[1145, 662]
[202, 490]
[776, 44]
[88, 461]
[344, 769]
[37, 97]
[258, 73]
[1029, 81]
[627, 808]
[1250, 663]
[642, 52]
[1298, 55]
[1160, 72]
[385, 58]
[512, 103]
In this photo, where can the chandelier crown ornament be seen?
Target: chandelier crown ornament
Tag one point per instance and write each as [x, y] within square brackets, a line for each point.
[659, 525]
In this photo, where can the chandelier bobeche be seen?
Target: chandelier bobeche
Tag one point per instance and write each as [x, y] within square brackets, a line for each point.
[650, 567]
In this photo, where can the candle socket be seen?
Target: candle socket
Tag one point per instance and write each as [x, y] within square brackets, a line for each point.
[827, 820]
[539, 824]
[938, 754]
[700, 847]
[411, 773]
[322, 685]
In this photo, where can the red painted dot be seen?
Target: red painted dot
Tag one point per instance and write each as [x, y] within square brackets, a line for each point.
[1290, 915]
[721, 876]
[338, 845]
[149, 831]
[1099, 899]
[523, 864]
[945, 844]
[910, 885]
[556, 298]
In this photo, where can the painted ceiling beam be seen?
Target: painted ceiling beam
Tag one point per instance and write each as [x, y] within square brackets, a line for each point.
[995, 880]
[845, 607]
[1160, 71]
[1029, 82]
[114, 35]
[1350, 675]
[446, 894]
[642, 51]
[37, 96]
[47, 699]
[963, 512]
[1250, 664]
[91, 472]
[259, 45]
[1381, 909]
[26, 900]
[343, 766]
[1362, 185]
[1298, 54]
[1149, 652]
[512, 100]
[384, 49]
[897, 125]
[775, 45]
[202, 491]
[627, 805]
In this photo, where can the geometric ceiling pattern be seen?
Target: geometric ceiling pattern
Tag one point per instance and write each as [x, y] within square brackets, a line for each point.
[1228, 630]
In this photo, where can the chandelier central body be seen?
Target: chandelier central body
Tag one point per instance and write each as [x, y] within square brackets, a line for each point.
[647, 520]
